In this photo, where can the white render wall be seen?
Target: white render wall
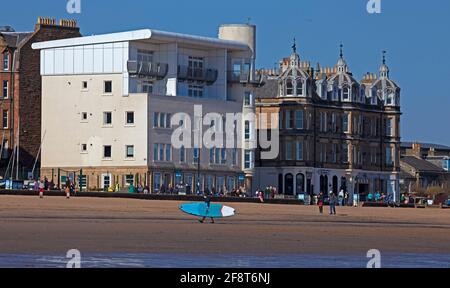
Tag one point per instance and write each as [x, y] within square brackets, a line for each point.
[63, 101]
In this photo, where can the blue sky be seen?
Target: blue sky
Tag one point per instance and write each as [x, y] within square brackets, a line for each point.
[416, 35]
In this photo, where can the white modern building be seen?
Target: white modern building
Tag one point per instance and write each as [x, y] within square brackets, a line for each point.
[108, 101]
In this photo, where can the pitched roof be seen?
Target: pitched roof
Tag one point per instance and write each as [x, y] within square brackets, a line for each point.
[421, 165]
[426, 146]
[269, 90]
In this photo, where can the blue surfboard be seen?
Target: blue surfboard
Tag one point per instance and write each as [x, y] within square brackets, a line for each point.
[200, 209]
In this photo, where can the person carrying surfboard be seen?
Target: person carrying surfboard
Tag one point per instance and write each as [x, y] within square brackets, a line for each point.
[207, 199]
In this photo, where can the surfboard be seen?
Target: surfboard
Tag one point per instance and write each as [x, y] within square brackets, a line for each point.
[201, 210]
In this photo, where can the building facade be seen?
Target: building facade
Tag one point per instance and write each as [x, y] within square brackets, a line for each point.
[335, 133]
[114, 99]
[20, 98]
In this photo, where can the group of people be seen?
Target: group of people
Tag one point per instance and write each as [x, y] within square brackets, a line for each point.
[376, 197]
[332, 201]
[268, 193]
[42, 185]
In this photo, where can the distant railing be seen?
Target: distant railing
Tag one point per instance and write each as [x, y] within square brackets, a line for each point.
[147, 69]
[209, 76]
[245, 77]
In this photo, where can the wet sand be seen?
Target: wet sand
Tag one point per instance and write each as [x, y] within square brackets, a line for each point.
[29, 225]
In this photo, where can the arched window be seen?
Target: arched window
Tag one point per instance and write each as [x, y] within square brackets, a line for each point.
[346, 93]
[289, 184]
[300, 184]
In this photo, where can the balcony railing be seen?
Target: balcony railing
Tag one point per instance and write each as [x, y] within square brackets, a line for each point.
[245, 77]
[147, 69]
[209, 76]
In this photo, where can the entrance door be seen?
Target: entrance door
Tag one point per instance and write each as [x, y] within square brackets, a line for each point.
[289, 185]
[106, 181]
[335, 185]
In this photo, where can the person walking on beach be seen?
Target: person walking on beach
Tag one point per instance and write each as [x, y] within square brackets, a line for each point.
[207, 199]
[41, 186]
[320, 201]
[333, 202]
[68, 186]
[341, 198]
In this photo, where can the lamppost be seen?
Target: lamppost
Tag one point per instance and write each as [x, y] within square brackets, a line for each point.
[198, 155]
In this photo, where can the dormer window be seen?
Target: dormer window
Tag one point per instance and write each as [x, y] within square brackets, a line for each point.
[390, 97]
[289, 88]
[300, 88]
[346, 93]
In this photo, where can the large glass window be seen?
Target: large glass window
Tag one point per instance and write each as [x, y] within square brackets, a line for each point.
[248, 159]
[300, 183]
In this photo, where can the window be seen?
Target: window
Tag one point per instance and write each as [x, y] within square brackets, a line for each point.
[107, 87]
[345, 153]
[129, 180]
[5, 119]
[161, 120]
[223, 156]
[299, 151]
[129, 151]
[145, 87]
[247, 130]
[346, 93]
[289, 88]
[84, 85]
[182, 154]
[234, 156]
[334, 153]
[145, 56]
[130, 118]
[323, 121]
[195, 65]
[5, 90]
[196, 155]
[299, 119]
[195, 91]
[162, 152]
[288, 151]
[168, 152]
[107, 152]
[389, 159]
[299, 87]
[345, 127]
[157, 182]
[107, 118]
[6, 61]
[248, 159]
[389, 127]
[333, 123]
[288, 119]
[84, 116]
[248, 99]
[83, 148]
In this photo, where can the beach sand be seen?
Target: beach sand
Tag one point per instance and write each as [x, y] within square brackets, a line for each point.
[94, 225]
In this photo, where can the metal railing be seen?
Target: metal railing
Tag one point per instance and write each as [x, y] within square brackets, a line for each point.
[207, 75]
[244, 77]
[147, 69]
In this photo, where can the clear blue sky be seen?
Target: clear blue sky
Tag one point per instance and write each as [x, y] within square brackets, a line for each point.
[416, 35]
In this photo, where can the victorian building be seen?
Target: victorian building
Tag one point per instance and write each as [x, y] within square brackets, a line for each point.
[336, 133]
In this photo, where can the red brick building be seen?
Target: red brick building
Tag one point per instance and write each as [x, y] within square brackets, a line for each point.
[20, 97]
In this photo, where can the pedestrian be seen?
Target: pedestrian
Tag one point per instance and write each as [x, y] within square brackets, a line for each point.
[320, 201]
[370, 197]
[341, 198]
[261, 196]
[377, 197]
[68, 184]
[207, 199]
[333, 202]
[131, 189]
[41, 186]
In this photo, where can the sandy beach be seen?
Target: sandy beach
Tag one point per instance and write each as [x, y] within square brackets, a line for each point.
[54, 225]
